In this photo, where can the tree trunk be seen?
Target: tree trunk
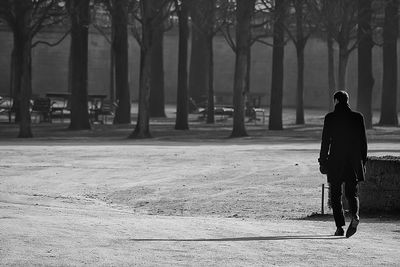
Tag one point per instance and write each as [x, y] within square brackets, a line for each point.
[182, 112]
[365, 76]
[69, 86]
[389, 86]
[329, 6]
[343, 60]
[248, 71]
[300, 83]
[120, 43]
[157, 102]
[210, 6]
[16, 77]
[23, 65]
[26, 92]
[275, 117]
[300, 44]
[211, 104]
[112, 64]
[142, 129]
[12, 79]
[244, 13]
[198, 69]
[331, 71]
[79, 13]
[348, 8]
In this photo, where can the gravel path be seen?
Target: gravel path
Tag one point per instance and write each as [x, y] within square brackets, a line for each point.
[166, 204]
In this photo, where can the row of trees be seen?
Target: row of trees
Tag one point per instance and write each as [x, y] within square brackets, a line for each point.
[352, 25]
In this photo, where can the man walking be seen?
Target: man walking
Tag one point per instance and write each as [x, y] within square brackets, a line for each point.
[342, 157]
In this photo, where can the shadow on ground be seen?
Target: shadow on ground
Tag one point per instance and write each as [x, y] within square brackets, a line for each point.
[233, 239]
[164, 131]
[367, 217]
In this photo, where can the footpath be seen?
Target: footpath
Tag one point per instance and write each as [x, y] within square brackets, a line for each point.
[60, 233]
[177, 204]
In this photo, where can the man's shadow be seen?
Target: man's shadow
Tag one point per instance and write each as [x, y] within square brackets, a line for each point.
[232, 239]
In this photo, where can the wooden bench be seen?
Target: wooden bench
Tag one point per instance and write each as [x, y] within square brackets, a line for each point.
[103, 109]
[59, 105]
[42, 107]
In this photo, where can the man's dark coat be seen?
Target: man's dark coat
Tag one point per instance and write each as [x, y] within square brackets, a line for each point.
[344, 144]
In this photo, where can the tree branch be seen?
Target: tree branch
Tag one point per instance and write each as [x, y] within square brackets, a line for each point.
[38, 24]
[136, 35]
[7, 15]
[52, 44]
[100, 30]
[261, 41]
[228, 37]
[353, 46]
[289, 32]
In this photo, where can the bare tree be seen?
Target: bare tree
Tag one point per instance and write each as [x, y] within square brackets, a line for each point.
[365, 76]
[244, 11]
[339, 21]
[347, 13]
[304, 24]
[117, 37]
[204, 27]
[331, 69]
[142, 129]
[259, 29]
[120, 50]
[149, 16]
[209, 17]
[275, 117]
[105, 27]
[181, 122]
[389, 86]
[80, 19]
[198, 68]
[326, 19]
[26, 19]
[157, 95]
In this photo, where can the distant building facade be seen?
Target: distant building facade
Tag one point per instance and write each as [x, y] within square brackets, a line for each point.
[50, 69]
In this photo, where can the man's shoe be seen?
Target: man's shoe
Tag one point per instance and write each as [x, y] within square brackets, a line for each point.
[339, 232]
[352, 228]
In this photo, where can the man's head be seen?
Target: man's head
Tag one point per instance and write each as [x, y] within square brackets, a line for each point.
[341, 97]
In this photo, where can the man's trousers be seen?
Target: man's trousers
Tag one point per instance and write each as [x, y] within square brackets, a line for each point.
[351, 194]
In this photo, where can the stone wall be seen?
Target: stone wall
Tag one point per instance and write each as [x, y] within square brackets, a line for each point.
[381, 190]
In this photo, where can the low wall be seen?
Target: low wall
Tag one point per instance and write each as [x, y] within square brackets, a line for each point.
[381, 190]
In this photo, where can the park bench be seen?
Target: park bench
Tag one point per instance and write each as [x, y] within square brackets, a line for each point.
[42, 107]
[224, 112]
[7, 106]
[102, 109]
[59, 105]
[38, 106]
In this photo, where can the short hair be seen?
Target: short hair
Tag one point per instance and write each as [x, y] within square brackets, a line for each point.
[341, 96]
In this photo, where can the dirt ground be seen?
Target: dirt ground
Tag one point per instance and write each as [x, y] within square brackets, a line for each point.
[182, 198]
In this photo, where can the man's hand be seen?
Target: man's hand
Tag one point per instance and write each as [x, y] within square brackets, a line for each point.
[323, 165]
[323, 169]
